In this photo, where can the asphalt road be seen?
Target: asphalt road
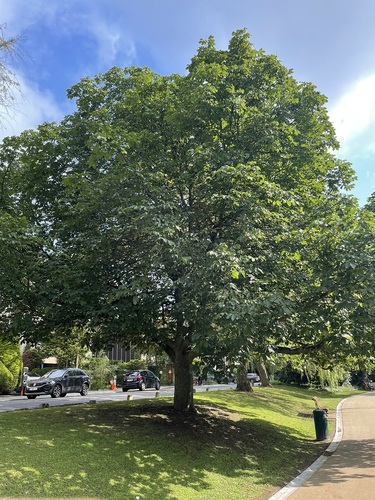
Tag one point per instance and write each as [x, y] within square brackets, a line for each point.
[14, 403]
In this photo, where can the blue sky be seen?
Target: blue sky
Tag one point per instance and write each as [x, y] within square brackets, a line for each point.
[330, 43]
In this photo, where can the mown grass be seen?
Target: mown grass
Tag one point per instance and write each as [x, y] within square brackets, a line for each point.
[238, 446]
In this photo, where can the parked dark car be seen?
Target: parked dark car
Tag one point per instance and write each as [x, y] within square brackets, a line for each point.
[58, 383]
[226, 378]
[141, 379]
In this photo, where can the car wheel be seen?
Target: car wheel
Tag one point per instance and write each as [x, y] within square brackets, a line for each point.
[157, 385]
[63, 394]
[142, 386]
[56, 391]
[31, 397]
[124, 390]
[84, 390]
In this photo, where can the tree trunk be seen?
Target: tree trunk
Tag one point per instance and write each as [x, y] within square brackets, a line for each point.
[243, 383]
[183, 389]
[264, 378]
[182, 358]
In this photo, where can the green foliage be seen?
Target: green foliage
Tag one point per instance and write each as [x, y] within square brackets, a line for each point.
[303, 371]
[10, 366]
[133, 364]
[288, 374]
[32, 357]
[201, 213]
[70, 350]
[7, 382]
[335, 377]
[101, 372]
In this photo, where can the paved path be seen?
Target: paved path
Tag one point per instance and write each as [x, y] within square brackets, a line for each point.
[349, 472]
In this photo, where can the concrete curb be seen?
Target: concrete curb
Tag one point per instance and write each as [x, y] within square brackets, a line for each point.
[305, 475]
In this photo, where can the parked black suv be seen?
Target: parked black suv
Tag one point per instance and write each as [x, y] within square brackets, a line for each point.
[58, 383]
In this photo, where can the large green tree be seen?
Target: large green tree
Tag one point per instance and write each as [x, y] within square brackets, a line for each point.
[198, 212]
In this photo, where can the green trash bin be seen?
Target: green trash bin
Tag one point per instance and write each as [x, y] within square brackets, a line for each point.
[321, 425]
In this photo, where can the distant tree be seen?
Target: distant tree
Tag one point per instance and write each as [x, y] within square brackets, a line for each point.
[9, 83]
[201, 213]
[370, 205]
[302, 371]
[32, 357]
[10, 358]
[71, 350]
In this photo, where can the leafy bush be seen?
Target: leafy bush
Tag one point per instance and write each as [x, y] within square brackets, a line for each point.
[6, 379]
[10, 366]
[101, 372]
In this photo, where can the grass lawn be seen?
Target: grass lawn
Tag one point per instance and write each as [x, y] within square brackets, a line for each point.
[239, 446]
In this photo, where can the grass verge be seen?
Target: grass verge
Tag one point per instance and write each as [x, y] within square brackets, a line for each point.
[238, 446]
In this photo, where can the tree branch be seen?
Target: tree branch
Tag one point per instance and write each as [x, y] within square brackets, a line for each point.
[304, 349]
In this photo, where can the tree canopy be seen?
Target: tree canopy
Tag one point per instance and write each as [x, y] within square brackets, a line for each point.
[203, 213]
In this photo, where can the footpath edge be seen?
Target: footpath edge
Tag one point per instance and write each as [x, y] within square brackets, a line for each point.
[298, 481]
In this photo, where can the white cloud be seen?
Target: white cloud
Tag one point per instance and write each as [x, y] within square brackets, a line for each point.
[353, 117]
[30, 108]
[111, 44]
[106, 30]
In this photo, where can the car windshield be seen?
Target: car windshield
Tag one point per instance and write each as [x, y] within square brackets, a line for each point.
[132, 374]
[54, 374]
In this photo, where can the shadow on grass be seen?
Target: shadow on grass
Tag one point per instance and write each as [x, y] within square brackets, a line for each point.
[249, 404]
[120, 451]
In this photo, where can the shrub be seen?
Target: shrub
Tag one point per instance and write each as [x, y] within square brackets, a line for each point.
[6, 379]
[11, 366]
[101, 372]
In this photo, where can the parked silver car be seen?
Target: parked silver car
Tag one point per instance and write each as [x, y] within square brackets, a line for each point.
[253, 377]
[30, 376]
